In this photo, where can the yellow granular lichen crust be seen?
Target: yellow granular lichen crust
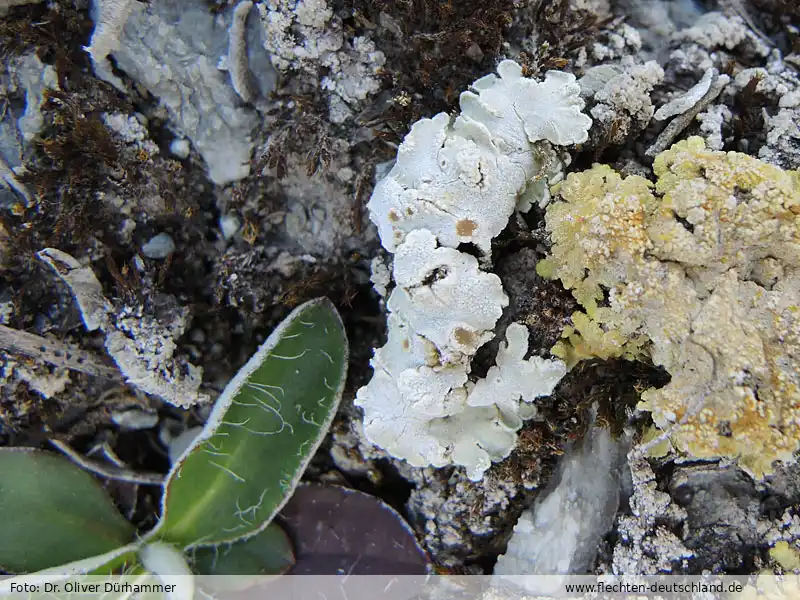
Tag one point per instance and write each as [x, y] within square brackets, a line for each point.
[701, 272]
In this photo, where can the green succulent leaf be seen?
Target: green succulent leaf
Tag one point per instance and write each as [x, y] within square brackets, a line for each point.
[52, 513]
[269, 552]
[263, 431]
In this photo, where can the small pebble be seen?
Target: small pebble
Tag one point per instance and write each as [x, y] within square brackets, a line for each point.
[159, 247]
[230, 225]
[180, 148]
[134, 419]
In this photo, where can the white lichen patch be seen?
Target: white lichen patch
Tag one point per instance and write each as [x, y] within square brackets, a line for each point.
[710, 40]
[514, 379]
[42, 380]
[83, 284]
[458, 181]
[237, 53]
[621, 95]
[306, 36]
[131, 130]
[462, 178]
[35, 77]
[687, 100]
[647, 545]
[621, 41]
[28, 75]
[172, 49]
[778, 83]
[143, 346]
[380, 276]
[712, 121]
[716, 30]
[110, 18]
[444, 296]
[455, 513]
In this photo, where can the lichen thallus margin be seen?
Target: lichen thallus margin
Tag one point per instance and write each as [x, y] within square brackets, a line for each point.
[221, 495]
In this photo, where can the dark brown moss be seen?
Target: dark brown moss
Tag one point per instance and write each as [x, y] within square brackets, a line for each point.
[75, 155]
[55, 30]
[543, 306]
[560, 31]
[74, 143]
[434, 49]
[748, 116]
[303, 132]
[77, 141]
[613, 387]
[128, 283]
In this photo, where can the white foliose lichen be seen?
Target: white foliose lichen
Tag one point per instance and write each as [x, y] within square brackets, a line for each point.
[461, 179]
[514, 378]
[306, 36]
[444, 296]
[458, 181]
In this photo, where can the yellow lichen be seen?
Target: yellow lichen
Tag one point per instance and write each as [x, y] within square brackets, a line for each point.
[702, 272]
[788, 557]
[601, 221]
[587, 339]
[768, 586]
[657, 448]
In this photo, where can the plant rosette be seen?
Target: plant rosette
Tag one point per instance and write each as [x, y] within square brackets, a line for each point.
[219, 498]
